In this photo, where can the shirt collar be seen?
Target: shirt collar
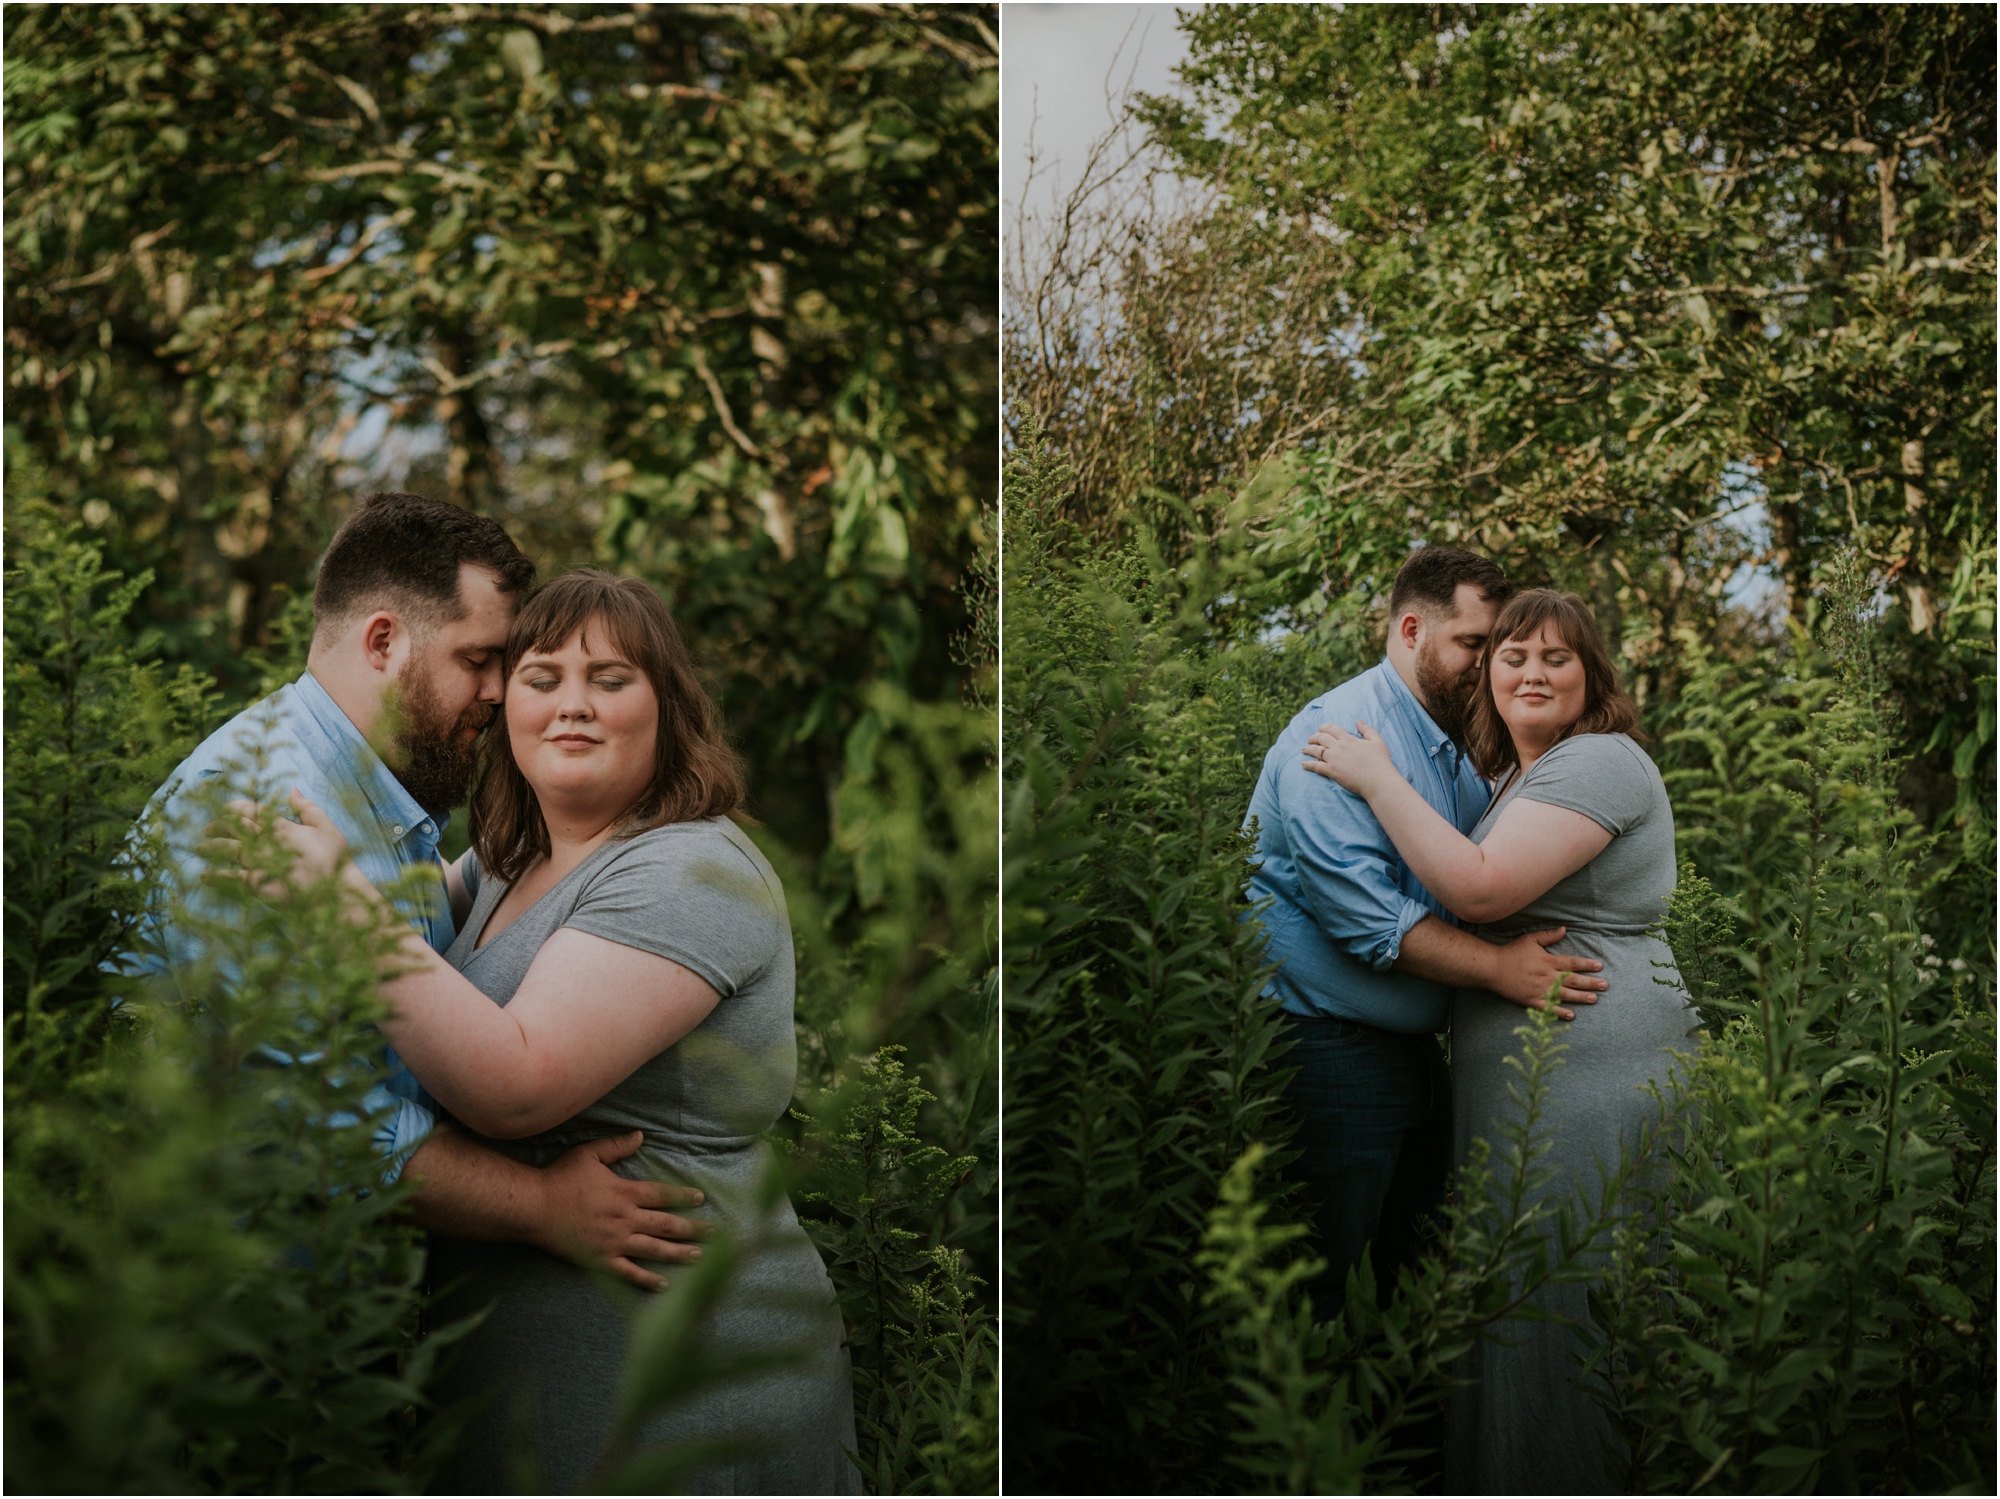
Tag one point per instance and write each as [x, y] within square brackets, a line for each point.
[1433, 738]
[397, 812]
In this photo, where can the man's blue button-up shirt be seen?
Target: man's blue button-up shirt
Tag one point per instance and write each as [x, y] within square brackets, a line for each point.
[299, 737]
[1341, 898]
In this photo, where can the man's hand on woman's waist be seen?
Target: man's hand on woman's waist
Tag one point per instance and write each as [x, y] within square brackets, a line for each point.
[1523, 970]
[576, 1207]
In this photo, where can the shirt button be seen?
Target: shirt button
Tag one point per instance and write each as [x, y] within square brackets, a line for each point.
[399, 830]
[428, 830]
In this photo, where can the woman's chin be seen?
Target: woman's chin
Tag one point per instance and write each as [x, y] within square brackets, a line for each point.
[569, 782]
[1540, 728]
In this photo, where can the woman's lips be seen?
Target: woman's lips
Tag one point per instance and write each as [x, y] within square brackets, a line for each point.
[573, 739]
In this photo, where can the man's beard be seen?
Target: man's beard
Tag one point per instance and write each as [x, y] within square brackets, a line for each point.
[1448, 697]
[436, 752]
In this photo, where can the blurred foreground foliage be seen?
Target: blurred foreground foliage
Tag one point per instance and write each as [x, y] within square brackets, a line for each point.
[1815, 1310]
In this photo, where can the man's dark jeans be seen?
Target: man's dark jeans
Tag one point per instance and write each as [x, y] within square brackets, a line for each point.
[1374, 1142]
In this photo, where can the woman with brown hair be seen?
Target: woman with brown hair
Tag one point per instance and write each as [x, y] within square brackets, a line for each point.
[623, 963]
[1580, 835]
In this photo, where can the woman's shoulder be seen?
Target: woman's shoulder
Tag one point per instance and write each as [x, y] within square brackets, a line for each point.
[1607, 752]
[691, 892]
[1609, 777]
[702, 837]
[713, 851]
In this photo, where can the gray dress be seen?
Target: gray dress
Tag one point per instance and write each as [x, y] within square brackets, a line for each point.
[1525, 1426]
[551, 1349]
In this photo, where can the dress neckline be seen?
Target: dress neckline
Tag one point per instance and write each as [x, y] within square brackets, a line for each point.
[478, 932]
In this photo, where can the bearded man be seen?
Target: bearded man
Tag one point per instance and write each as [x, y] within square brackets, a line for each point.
[1369, 958]
[411, 611]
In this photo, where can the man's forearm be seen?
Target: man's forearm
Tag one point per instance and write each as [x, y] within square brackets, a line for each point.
[1524, 970]
[1440, 952]
[577, 1207]
[466, 1191]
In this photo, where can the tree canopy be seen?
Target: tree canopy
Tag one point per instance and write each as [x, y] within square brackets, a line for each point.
[703, 292]
[1642, 300]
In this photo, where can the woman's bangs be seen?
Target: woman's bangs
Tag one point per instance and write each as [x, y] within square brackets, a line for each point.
[576, 614]
[1527, 633]
[615, 633]
[1536, 614]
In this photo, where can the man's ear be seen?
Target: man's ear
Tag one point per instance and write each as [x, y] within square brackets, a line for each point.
[1409, 627]
[378, 638]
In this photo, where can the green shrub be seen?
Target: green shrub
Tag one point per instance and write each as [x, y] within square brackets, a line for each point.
[923, 1347]
[1140, 1057]
[1817, 1314]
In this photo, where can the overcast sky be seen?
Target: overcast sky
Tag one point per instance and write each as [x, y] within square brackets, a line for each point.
[1059, 58]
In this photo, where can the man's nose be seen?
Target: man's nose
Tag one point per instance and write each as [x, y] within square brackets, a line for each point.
[491, 687]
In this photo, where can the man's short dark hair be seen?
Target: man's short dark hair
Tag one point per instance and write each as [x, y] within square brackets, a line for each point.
[404, 551]
[1428, 581]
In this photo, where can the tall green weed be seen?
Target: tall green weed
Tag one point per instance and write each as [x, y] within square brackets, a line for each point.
[1141, 1059]
[1817, 1313]
[1338, 1400]
[207, 1286]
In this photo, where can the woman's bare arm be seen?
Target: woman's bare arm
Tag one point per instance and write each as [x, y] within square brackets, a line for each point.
[585, 1017]
[1532, 846]
[588, 1014]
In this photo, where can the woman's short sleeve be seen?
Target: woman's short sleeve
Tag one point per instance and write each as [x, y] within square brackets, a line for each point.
[1606, 777]
[469, 872]
[697, 893]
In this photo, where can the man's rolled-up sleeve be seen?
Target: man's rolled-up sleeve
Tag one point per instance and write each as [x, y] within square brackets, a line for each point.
[1347, 868]
[401, 1125]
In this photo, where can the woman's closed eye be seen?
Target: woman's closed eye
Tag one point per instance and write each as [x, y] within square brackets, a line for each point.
[610, 681]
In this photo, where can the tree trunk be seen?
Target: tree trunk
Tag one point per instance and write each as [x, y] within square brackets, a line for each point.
[1789, 558]
[1598, 536]
[469, 475]
[202, 570]
[1886, 163]
[1916, 571]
